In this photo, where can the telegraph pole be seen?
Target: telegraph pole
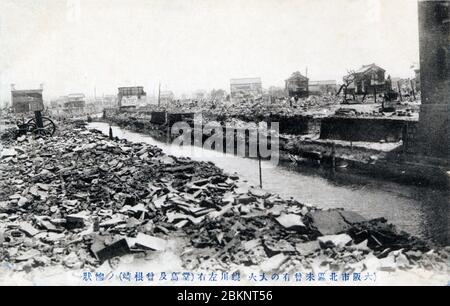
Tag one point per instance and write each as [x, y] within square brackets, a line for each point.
[259, 157]
[159, 94]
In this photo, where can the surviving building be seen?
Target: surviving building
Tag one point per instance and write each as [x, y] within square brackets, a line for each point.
[297, 85]
[367, 80]
[245, 89]
[131, 96]
[26, 100]
[75, 103]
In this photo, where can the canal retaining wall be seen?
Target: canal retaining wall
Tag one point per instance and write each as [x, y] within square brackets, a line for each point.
[362, 129]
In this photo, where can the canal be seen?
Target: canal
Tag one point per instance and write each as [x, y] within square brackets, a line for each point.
[421, 211]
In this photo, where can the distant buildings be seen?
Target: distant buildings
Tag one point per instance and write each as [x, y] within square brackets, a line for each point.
[322, 87]
[245, 89]
[166, 97]
[75, 103]
[72, 105]
[297, 85]
[131, 96]
[199, 94]
[107, 100]
[276, 92]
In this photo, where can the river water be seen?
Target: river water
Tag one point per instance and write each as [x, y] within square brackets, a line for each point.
[421, 211]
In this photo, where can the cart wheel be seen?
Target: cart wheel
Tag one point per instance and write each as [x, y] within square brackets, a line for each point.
[48, 128]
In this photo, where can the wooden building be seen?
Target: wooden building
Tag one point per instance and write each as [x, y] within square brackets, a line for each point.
[24, 101]
[367, 80]
[297, 85]
[130, 96]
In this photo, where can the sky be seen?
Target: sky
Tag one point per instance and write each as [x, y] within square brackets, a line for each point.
[95, 46]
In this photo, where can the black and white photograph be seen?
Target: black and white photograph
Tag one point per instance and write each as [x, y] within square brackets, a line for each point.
[224, 144]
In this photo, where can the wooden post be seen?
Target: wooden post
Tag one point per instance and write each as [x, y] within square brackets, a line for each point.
[159, 95]
[260, 173]
[168, 140]
[375, 93]
[259, 159]
[38, 117]
[405, 139]
[412, 89]
[364, 96]
[110, 133]
[399, 91]
[333, 155]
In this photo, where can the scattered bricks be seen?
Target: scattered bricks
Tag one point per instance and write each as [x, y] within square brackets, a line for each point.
[273, 263]
[414, 255]
[47, 225]
[184, 169]
[30, 254]
[273, 247]
[388, 263]
[251, 244]
[362, 246]
[351, 217]
[307, 248]
[23, 202]
[328, 222]
[244, 199]
[291, 221]
[139, 198]
[28, 229]
[334, 240]
[116, 249]
[259, 193]
[75, 220]
[148, 242]
[130, 200]
[8, 153]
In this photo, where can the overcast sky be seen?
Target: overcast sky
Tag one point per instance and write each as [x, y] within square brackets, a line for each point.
[76, 46]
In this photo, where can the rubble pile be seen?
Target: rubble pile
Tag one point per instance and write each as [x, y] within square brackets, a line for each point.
[249, 111]
[8, 136]
[255, 111]
[80, 199]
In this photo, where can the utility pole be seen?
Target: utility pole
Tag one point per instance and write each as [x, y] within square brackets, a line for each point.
[159, 94]
[412, 89]
[259, 158]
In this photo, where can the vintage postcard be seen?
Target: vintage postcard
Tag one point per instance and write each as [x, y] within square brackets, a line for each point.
[191, 143]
